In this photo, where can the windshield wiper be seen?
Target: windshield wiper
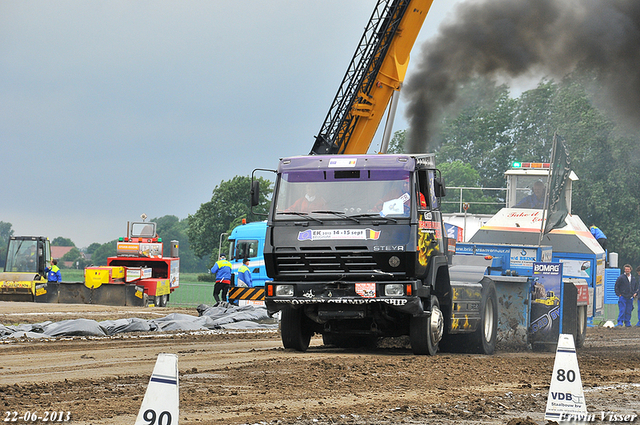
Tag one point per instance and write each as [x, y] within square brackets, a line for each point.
[299, 214]
[338, 213]
[374, 215]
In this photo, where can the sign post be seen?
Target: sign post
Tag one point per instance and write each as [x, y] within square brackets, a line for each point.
[565, 402]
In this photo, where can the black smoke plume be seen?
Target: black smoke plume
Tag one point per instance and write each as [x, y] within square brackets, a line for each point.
[516, 38]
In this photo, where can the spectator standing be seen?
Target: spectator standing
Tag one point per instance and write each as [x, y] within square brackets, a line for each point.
[53, 272]
[625, 284]
[244, 275]
[222, 270]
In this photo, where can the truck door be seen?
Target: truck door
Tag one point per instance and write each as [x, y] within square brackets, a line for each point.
[251, 249]
[430, 224]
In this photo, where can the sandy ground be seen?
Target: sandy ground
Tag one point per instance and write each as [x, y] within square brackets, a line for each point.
[248, 378]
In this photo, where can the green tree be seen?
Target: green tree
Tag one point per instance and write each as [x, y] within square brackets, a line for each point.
[477, 130]
[60, 241]
[5, 233]
[534, 124]
[229, 203]
[171, 228]
[106, 250]
[92, 248]
[396, 144]
[605, 158]
[487, 129]
[73, 256]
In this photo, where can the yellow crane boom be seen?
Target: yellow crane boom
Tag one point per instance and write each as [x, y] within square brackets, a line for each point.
[377, 70]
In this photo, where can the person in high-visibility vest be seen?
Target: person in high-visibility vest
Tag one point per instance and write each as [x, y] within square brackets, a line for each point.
[244, 275]
[222, 270]
[53, 272]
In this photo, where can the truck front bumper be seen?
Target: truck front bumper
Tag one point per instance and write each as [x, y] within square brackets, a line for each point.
[345, 296]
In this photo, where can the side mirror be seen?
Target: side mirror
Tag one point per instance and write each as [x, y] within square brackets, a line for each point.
[439, 187]
[255, 190]
[255, 193]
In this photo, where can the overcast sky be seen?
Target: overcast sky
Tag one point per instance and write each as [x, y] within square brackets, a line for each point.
[111, 109]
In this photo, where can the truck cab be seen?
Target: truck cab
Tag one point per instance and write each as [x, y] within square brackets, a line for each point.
[247, 241]
[355, 249]
[525, 177]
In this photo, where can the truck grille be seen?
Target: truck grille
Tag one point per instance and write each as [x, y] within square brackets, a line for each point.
[325, 260]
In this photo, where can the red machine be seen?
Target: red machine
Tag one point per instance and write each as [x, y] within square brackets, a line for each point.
[139, 274]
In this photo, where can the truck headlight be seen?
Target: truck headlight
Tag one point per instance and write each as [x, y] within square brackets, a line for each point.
[394, 290]
[284, 290]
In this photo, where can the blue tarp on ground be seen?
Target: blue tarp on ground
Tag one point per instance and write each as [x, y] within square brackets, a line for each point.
[220, 316]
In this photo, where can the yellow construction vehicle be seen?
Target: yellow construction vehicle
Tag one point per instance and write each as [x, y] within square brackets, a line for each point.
[24, 276]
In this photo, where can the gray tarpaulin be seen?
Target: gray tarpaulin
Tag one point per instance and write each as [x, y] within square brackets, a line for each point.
[220, 316]
[112, 327]
[75, 327]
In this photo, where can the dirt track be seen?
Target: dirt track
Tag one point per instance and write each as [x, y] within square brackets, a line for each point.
[246, 377]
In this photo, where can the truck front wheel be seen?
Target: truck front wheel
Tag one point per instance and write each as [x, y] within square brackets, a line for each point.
[425, 332]
[294, 329]
[486, 335]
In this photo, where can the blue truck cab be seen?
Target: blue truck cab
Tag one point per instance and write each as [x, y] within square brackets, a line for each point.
[247, 241]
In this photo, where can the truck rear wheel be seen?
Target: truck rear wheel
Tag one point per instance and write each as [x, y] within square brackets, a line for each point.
[581, 331]
[425, 332]
[485, 336]
[294, 329]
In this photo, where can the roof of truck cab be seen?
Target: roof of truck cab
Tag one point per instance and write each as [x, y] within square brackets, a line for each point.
[254, 230]
[345, 162]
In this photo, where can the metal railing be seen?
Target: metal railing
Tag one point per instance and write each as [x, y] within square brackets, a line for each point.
[487, 192]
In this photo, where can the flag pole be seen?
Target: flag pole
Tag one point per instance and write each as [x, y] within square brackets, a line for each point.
[545, 210]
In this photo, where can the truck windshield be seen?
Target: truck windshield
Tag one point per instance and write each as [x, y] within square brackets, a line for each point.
[353, 192]
[143, 230]
[22, 256]
[530, 192]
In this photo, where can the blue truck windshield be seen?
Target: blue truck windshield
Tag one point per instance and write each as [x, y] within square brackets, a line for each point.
[351, 192]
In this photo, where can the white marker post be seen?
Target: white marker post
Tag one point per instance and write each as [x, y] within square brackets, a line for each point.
[566, 398]
[161, 401]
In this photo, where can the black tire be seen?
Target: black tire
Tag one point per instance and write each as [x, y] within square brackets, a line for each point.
[581, 331]
[425, 332]
[294, 330]
[485, 337]
[161, 301]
